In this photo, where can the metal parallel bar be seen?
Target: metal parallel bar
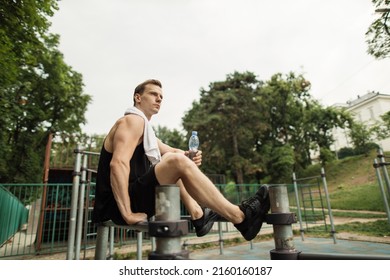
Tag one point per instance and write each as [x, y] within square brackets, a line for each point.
[380, 182]
[384, 169]
[90, 153]
[333, 231]
[80, 214]
[298, 207]
[73, 211]
[142, 226]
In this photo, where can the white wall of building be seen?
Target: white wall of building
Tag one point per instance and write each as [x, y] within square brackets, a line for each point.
[367, 110]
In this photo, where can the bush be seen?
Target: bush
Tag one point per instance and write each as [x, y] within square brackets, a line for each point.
[346, 152]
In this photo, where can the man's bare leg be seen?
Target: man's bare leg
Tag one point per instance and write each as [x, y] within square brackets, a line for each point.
[177, 166]
[248, 217]
[193, 207]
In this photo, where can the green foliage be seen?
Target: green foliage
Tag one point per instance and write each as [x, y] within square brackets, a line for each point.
[281, 164]
[173, 138]
[382, 128]
[326, 156]
[378, 33]
[226, 118]
[257, 130]
[345, 152]
[39, 93]
[361, 136]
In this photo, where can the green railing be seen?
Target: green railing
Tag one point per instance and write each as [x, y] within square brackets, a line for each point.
[45, 224]
[13, 215]
[41, 226]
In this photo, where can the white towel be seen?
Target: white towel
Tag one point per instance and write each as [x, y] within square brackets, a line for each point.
[150, 140]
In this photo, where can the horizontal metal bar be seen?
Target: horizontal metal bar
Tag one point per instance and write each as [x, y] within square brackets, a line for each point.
[142, 226]
[90, 153]
[307, 178]
[91, 170]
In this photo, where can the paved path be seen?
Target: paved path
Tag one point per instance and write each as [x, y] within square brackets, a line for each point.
[261, 250]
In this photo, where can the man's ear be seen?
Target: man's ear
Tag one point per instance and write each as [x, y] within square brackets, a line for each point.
[137, 97]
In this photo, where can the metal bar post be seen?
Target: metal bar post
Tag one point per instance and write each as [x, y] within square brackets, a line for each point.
[73, 209]
[298, 207]
[139, 245]
[80, 214]
[379, 177]
[167, 227]
[220, 234]
[101, 242]
[333, 231]
[384, 169]
[111, 247]
[283, 234]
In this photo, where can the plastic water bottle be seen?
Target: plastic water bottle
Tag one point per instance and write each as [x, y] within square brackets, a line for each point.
[193, 144]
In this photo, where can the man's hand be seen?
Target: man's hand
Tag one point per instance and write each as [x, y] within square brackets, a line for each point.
[197, 158]
[134, 218]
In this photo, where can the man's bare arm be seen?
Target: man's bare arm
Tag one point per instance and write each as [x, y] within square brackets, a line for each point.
[124, 139]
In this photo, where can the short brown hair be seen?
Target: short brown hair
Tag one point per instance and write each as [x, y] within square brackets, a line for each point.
[141, 87]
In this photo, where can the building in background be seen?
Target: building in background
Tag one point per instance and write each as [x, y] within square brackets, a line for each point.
[366, 109]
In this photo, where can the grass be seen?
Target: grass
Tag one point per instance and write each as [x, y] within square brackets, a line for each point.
[352, 183]
[380, 228]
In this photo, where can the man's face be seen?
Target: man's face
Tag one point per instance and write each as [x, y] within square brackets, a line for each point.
[150, 100]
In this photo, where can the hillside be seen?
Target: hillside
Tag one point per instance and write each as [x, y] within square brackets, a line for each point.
[352, 183]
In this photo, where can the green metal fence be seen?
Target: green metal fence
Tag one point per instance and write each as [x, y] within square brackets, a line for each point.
[42, 227]
[13, 215]
[34, 218]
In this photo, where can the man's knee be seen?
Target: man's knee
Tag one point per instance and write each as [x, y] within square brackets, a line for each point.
[177, 161]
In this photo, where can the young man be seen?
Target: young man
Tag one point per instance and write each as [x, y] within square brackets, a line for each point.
[133, 162]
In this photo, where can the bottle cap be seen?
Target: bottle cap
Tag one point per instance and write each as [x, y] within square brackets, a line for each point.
[194, 133]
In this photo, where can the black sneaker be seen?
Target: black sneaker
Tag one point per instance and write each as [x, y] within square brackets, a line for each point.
[204, 224]
[255, 209]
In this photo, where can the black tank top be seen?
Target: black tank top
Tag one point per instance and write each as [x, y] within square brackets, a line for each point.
[105, 207]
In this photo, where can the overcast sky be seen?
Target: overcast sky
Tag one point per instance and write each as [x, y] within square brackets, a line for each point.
[187, 44]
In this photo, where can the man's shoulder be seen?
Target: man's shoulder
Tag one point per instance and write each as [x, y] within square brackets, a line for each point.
[127, 127]
[132, 119]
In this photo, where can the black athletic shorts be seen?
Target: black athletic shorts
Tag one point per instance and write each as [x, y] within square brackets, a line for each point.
[142, 193]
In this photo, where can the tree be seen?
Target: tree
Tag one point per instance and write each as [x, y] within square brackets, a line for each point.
[361, 136]
[378, 34]
[323, 121]
[173, 138]
[39, 93]
[254, 130]
[226, 117]
[286, 101]
[22, 26]
[295, 120]
[382, 128]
